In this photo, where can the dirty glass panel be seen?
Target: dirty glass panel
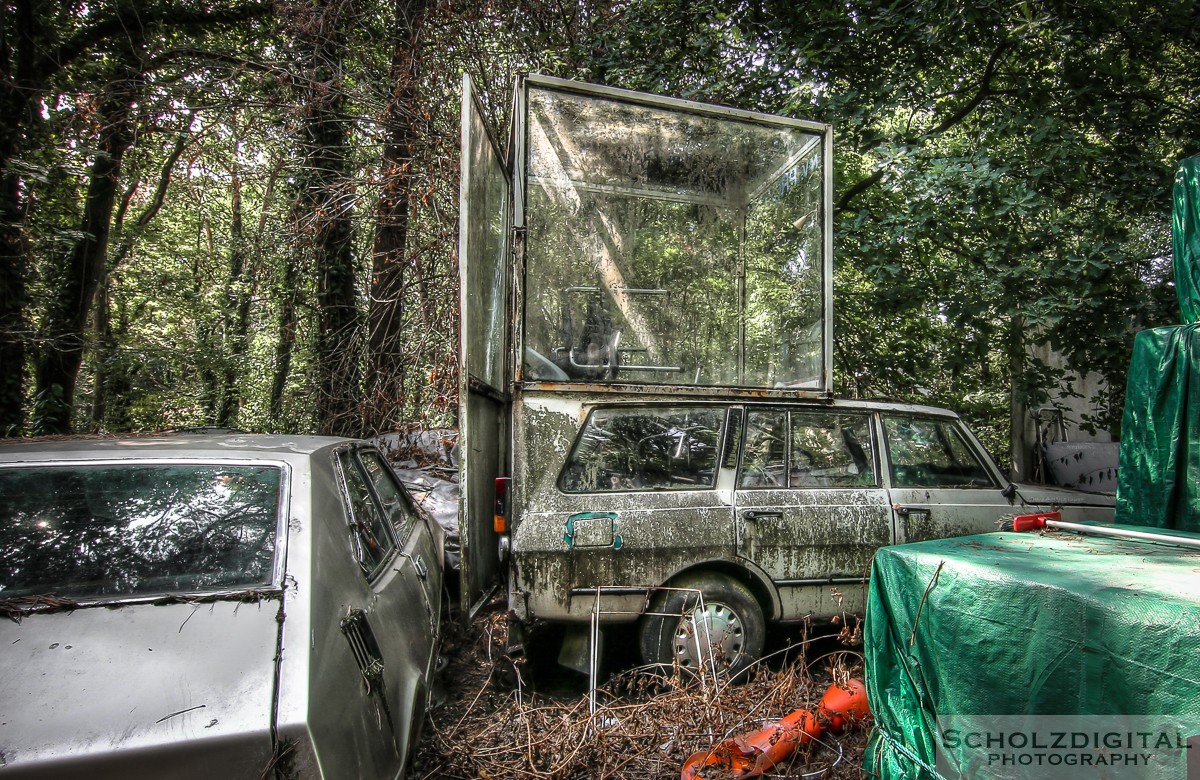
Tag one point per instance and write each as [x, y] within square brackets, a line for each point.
[484, 244]
[784, 275]
[368, 528]
[125, 530]
[831, 450]
[395, 504]
[932, 453]
[764, 462]
[645, 449]
[649, 233]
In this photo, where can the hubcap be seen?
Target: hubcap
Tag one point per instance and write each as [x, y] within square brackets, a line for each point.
[715, 629]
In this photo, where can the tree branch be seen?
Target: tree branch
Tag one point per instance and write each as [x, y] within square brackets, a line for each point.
[857, 189]
[964, 111]
[143, 18]
[985, 91]
[225, 58]
[164, 177]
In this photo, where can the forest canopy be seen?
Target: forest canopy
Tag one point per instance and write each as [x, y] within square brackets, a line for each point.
[243, 214]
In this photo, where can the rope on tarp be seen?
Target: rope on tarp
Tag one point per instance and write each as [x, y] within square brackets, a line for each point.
[900, 748]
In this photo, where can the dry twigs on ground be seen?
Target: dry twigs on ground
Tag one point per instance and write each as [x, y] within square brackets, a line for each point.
[646, 722]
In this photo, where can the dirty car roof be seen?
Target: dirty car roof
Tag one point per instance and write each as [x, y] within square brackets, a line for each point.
[184, 444]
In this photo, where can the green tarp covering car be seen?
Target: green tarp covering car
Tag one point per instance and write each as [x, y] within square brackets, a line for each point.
[985, 651]
[1061, 655]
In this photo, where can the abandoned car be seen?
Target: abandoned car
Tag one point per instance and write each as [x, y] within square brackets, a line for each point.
[203, 605]
[763, 511]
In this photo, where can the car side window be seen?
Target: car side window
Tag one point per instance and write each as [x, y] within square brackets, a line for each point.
[397, 509]
[932, 453]
[368, 526]
[645, 448]
[831, 450]
[764, 458]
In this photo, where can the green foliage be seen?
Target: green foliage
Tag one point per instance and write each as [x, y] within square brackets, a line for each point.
[1002, 181]
[1002, 173]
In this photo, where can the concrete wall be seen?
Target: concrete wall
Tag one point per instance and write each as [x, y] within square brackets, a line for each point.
[1024, 439]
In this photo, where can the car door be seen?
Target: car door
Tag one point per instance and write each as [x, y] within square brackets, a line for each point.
[810, 508]
[393, 634]
[413, 536]
[940, 482]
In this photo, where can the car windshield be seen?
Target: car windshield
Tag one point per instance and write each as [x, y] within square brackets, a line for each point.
[116, 530]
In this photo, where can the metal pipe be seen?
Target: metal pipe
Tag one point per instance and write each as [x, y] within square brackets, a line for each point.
[1041, 520]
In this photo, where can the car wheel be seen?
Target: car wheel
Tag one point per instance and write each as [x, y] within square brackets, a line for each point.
[708, 611]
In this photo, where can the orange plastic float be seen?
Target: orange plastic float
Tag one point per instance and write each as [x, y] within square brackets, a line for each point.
[752, 754]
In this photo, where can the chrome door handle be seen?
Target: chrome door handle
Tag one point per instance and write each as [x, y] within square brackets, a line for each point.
[912, 510]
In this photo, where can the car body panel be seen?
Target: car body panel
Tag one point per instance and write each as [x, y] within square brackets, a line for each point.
[336, 724]
[936, 513]
[811, 541]
[805, 549]
[139, 679]
[651, 533]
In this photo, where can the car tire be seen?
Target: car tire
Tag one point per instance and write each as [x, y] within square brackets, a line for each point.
[677, 618]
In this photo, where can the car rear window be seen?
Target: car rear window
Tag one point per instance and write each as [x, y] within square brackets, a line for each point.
[623, 449]
[103, 531]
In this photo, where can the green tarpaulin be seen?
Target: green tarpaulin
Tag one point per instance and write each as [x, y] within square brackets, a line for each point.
[971, 635]
[1185, 238]
[1158, 483]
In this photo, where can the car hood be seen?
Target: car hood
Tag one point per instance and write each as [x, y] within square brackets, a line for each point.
[1038, 495]
[139, 690]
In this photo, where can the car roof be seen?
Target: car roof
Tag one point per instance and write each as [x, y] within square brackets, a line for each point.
[812, 403]
[886, 406]
[183, 444]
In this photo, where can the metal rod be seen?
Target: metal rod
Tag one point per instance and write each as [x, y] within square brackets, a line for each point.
[593, 654]
[1123, 533]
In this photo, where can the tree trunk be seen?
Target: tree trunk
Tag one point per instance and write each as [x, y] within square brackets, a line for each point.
[17, 50]
[1020, 453]
[13, 327]
[106, 350]
[237, 307]
[111, 382]
[386, 358]
[63, 329]
[284, 342]
[206, 337]
[325, 219]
